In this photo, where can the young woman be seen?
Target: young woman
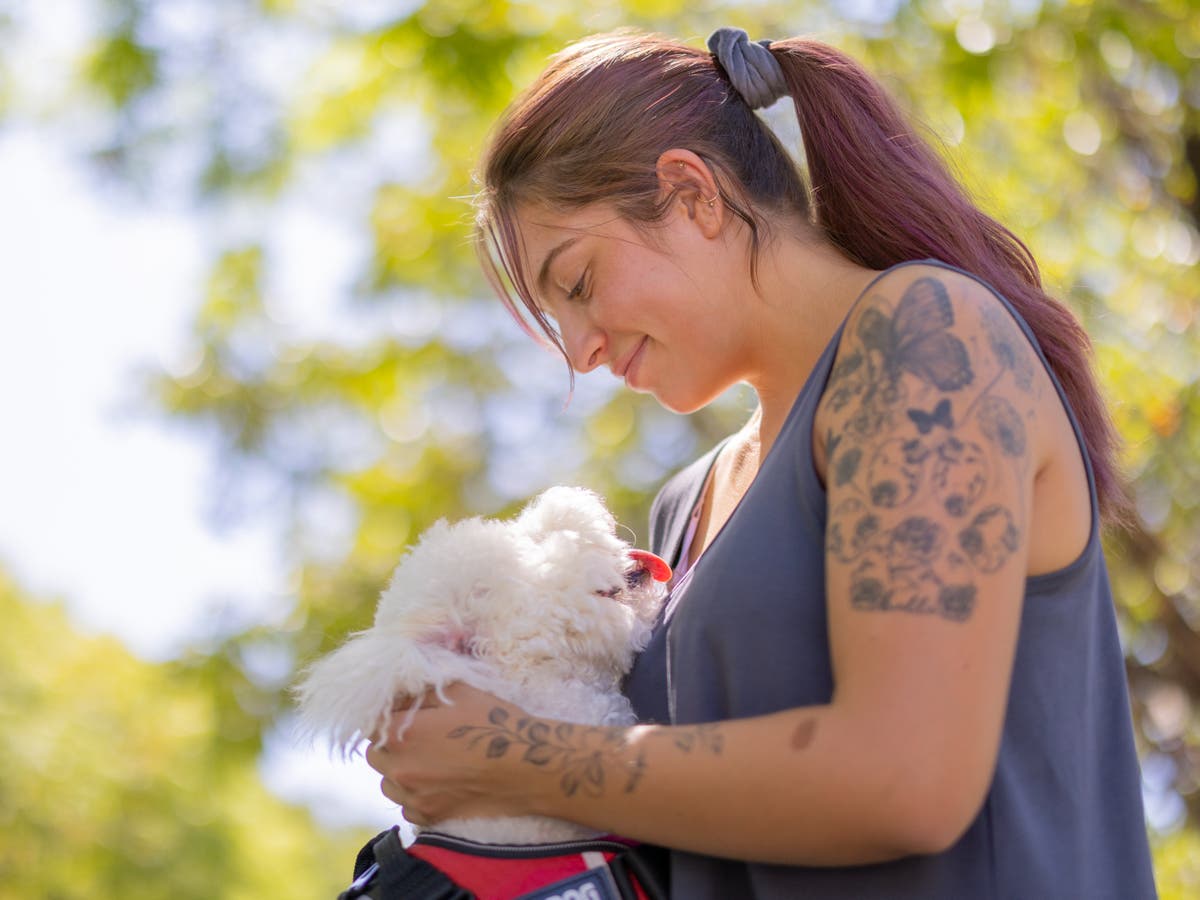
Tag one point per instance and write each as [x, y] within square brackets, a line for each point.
[889, 665]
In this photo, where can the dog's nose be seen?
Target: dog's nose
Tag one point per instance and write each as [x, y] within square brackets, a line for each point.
[636, 577]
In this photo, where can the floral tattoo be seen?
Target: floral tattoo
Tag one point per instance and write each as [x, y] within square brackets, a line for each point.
[583, 756]
[926, 406]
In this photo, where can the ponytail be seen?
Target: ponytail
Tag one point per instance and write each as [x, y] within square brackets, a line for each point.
[881, 194]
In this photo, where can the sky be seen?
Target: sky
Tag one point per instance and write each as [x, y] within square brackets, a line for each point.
[102, 503]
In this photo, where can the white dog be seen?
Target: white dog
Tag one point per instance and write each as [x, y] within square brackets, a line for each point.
[545, 611]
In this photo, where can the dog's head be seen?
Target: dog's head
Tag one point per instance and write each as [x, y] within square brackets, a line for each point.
[552, 595]
[574, 555]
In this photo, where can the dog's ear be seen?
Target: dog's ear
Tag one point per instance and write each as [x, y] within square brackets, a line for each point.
[455, 638]
[445, 576]
[564, 508]
[345, 694]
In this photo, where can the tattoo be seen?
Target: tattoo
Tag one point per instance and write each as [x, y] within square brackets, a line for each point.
[960, 475]
[904, 389]
[1002, 425]
[844, 384]
[700, 737]
[636, 770]
[916, 339]
[927, 421]
[581, 755]
[912, 341]
[1011, 349]
[895, 474]
[803, 735]
[847, 466]
[990, 538]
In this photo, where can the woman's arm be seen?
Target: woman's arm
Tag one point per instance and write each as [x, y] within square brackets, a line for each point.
[810, 786]
[930, 434]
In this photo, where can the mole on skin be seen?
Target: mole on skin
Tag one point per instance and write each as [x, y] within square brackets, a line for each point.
[803, 734]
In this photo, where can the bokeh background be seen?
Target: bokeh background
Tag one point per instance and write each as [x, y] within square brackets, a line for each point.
[246, 356]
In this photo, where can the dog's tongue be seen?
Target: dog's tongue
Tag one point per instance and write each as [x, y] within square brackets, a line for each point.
[656, 566]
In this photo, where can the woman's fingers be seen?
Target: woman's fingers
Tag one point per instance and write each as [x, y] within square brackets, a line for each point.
[375, 756]
[411, 807]
[382, 760]
[432, 772]
[412, 815]
[392, 791]
[404, 702]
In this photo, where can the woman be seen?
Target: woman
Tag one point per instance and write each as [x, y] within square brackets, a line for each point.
[889, 665]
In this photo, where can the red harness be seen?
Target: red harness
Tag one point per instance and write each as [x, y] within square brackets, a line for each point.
[441, 866]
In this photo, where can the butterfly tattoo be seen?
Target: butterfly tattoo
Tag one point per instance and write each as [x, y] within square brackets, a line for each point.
[915, 338]
[926, 421]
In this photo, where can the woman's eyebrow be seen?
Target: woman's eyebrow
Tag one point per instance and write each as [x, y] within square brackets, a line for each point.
[544, 272]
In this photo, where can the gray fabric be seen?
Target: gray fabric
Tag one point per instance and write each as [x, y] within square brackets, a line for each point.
[752, 69]
[746, 633]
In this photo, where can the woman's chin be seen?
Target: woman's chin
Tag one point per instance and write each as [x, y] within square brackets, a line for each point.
[678, 403]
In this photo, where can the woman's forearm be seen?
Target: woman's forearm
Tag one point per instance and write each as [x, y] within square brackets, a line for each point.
[805, 786]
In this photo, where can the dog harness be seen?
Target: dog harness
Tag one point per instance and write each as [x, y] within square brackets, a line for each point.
[441, 867]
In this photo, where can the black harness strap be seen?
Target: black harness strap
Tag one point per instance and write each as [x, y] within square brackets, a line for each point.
[645, 865]
[395, 873]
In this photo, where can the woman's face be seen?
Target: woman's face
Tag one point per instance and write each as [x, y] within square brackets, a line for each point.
[660, 309]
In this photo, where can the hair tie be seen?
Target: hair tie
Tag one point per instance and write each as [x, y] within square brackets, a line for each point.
[751, 67]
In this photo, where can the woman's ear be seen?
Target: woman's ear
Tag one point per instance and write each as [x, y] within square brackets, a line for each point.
[690, 182]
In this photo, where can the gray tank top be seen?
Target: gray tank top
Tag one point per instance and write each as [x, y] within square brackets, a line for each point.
[744, 634]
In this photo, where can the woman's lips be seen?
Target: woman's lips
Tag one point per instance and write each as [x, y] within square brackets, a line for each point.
[632, 366]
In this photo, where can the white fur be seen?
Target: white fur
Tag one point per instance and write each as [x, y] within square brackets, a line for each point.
[515, 608]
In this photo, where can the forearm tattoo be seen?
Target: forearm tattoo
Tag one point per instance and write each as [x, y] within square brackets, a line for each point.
[586, 758]
[925, 407]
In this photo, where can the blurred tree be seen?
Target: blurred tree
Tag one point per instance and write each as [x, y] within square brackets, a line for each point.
[116, 781]
[1076, 123]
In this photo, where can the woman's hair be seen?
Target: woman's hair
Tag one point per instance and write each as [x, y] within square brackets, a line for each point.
[592, 127]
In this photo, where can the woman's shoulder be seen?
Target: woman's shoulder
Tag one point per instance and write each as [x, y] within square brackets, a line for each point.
[926, 344]
[929, 287]
[926, 318]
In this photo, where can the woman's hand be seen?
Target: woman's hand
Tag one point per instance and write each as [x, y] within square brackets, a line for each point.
[436, 771]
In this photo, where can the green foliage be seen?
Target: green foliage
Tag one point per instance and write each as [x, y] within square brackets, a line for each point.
[120, 68]
[1177, 866]
[1078, 124]
[116, 780]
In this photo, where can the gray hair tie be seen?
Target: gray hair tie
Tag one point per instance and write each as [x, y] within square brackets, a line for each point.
[751, 67]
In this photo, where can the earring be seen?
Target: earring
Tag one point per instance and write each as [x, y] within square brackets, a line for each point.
[710, 201]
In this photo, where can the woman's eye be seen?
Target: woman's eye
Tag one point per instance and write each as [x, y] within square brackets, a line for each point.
[577, 292]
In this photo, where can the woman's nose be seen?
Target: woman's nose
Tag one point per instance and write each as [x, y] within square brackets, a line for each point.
[587, 346]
